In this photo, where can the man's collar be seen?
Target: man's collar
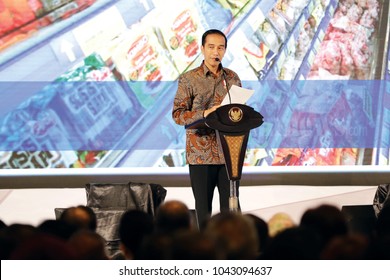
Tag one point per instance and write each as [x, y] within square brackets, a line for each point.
[206, 70]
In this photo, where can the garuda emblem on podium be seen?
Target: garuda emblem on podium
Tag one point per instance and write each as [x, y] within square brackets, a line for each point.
[235, 114]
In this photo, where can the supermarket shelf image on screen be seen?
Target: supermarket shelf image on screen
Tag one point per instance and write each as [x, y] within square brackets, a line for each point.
[90, 84]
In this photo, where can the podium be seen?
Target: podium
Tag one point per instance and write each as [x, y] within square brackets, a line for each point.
[232, 124]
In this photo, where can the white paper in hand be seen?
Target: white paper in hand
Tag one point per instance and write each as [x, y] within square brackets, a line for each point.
[238, 95]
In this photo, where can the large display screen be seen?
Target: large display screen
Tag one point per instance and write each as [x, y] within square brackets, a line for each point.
[89, 84]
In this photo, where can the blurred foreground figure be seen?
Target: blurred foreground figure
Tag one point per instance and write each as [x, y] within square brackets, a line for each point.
[235, 236]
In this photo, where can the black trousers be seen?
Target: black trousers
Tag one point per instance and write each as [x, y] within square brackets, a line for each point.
[204, 179]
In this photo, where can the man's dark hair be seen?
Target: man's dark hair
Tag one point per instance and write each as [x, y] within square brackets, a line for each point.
[134, 226]
[213, 31]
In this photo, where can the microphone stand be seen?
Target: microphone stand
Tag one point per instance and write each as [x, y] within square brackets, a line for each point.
[233, 198]
[224, 78]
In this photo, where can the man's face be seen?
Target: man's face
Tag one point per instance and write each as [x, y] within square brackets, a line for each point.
[213, 48]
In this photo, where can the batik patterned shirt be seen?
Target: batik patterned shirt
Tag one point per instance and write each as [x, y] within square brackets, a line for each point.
[199, 89]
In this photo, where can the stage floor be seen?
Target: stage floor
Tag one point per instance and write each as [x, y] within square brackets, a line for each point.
[32, 206]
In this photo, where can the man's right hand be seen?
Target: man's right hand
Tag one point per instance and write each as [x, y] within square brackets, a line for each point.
[210, 110]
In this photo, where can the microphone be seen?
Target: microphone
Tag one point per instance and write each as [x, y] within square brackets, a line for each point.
[226, 83]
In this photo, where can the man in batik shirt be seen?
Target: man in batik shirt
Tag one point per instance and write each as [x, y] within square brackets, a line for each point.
[200, 92]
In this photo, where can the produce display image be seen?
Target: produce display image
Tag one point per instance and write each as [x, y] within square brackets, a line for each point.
[90, 84]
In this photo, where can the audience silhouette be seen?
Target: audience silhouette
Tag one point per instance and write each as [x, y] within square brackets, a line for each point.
[172, 216]
[327, 220]
[234, 234]
[262, 232]
[156, 246]
[279, 222]
[353, 246]
[193, 245]
[58, 228]
[322, 234]
[88, 245]
[43, 246]
[172, 224]
[294, 243]
[80, 217]
[13, 235]
[134, 226]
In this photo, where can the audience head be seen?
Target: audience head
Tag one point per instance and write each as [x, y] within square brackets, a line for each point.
[193, 245]
[294, 243]
[134, 226]
[328, 220]
[172, 216]
[88, 245]
[80, 217]
[11, 236]
[346, 247]
[262, 231]
[58, 228]
[279, 222]
[234, 235]
[156, 246]
[43, 246]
